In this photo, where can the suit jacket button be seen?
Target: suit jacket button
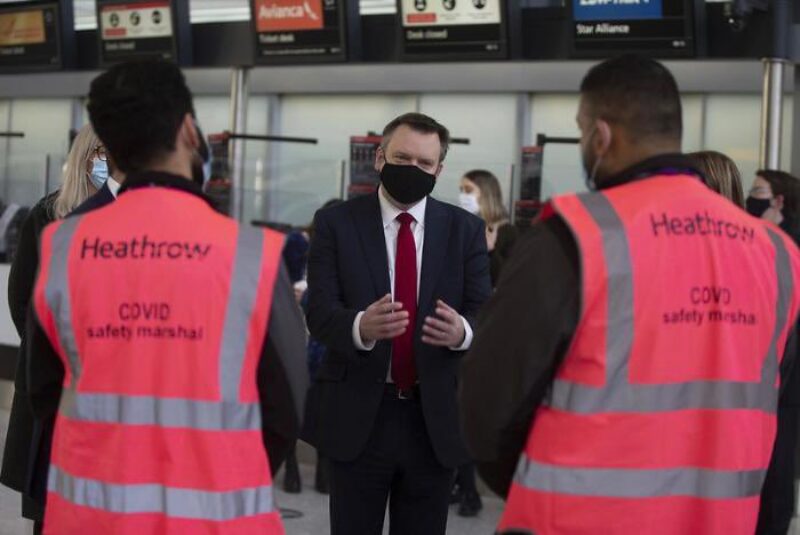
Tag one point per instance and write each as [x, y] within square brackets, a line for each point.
[380, 380]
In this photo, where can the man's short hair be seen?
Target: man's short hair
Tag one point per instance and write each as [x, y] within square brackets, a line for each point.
[419, 123]
[137, 108]
[637, 93]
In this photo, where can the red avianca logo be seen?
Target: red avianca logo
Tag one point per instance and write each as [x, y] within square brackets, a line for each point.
[289, 15]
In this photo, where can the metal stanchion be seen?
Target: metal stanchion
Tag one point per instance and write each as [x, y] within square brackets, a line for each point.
[239, 96]
[772, 113]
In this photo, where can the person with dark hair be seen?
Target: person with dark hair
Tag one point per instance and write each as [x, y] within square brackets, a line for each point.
[177, 389]
[721, 175]
[623, 378]
[295, 255]
[775, 197]
[395, 281]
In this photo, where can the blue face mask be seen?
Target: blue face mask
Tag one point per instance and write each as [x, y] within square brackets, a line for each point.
[99, 174]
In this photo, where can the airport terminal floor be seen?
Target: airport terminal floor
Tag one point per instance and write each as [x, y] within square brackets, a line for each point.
[312, 505]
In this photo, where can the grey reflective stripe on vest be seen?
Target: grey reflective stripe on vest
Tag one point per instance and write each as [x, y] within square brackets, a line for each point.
[785, 289]
[626, 397]
[162, 412]
[619, 394]
[156, 499]
[241, 303]
[57, 292]
[639, 483]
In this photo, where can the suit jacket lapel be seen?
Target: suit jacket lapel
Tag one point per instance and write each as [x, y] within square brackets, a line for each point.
[369, 225]
[434, 251]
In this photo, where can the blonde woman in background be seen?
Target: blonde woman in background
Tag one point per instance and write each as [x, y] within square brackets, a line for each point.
[721, 175]
[481, 195]
[83, 175]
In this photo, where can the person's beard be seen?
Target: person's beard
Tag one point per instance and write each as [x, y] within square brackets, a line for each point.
[198, 174]
[591, 169]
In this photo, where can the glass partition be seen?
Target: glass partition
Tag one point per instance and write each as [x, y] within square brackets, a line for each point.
[26, 178]
[289, 194]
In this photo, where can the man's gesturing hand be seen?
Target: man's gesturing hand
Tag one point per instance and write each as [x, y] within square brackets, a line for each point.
[446, 329]
[383, 320]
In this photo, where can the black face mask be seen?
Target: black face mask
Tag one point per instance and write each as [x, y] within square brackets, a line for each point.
[757, 207]
[407, 184]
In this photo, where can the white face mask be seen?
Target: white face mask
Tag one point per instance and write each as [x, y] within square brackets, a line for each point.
[469, 202]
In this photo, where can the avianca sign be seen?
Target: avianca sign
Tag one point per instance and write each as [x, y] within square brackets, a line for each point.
[288, 15]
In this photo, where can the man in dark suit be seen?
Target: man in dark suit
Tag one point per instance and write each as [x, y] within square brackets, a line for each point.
[395, 282]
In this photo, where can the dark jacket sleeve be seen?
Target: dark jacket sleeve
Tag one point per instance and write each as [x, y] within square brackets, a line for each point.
[24, 268]
[283, 373]
[506, 238]
[329, 320]
[790, 372]
[44, 370]
[522, 337]
[477, 278]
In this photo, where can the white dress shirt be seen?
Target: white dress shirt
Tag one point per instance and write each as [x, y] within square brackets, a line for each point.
[391, 228]
[113, 186]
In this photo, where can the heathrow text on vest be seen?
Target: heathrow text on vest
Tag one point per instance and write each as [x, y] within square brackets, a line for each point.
[700, 224]
[144, 249]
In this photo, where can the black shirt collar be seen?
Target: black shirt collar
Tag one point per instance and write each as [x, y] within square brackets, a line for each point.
[160, 179]
[663, 164]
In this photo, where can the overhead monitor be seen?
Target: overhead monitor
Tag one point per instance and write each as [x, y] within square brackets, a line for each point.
[663, 28]
[30, 37]
[454, 29]
[303, 31]
[140, 29]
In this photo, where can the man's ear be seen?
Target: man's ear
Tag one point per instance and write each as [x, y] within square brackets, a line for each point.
[602, 140]
[380, 159]
[439, 170]
[188, 132]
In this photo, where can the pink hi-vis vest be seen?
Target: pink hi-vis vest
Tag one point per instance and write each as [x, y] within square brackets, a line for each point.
[158, 308]
[662, 417]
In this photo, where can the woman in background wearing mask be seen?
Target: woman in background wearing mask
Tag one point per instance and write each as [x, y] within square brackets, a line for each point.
[481, 195]
[775, 196]
[84, 173]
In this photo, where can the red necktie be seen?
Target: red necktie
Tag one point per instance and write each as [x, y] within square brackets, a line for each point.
[404, 372]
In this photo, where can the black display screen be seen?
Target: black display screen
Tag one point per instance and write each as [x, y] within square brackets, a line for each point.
[654, 27]
[30, 38]
[453, 29]
[296, 31]
[136, 29]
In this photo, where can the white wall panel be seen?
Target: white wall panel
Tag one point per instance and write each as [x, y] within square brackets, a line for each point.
[46, 124]
[692, 122]
[489, 122]
[554, 115]
[733, 126]
[303, 177]
[213, 113]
